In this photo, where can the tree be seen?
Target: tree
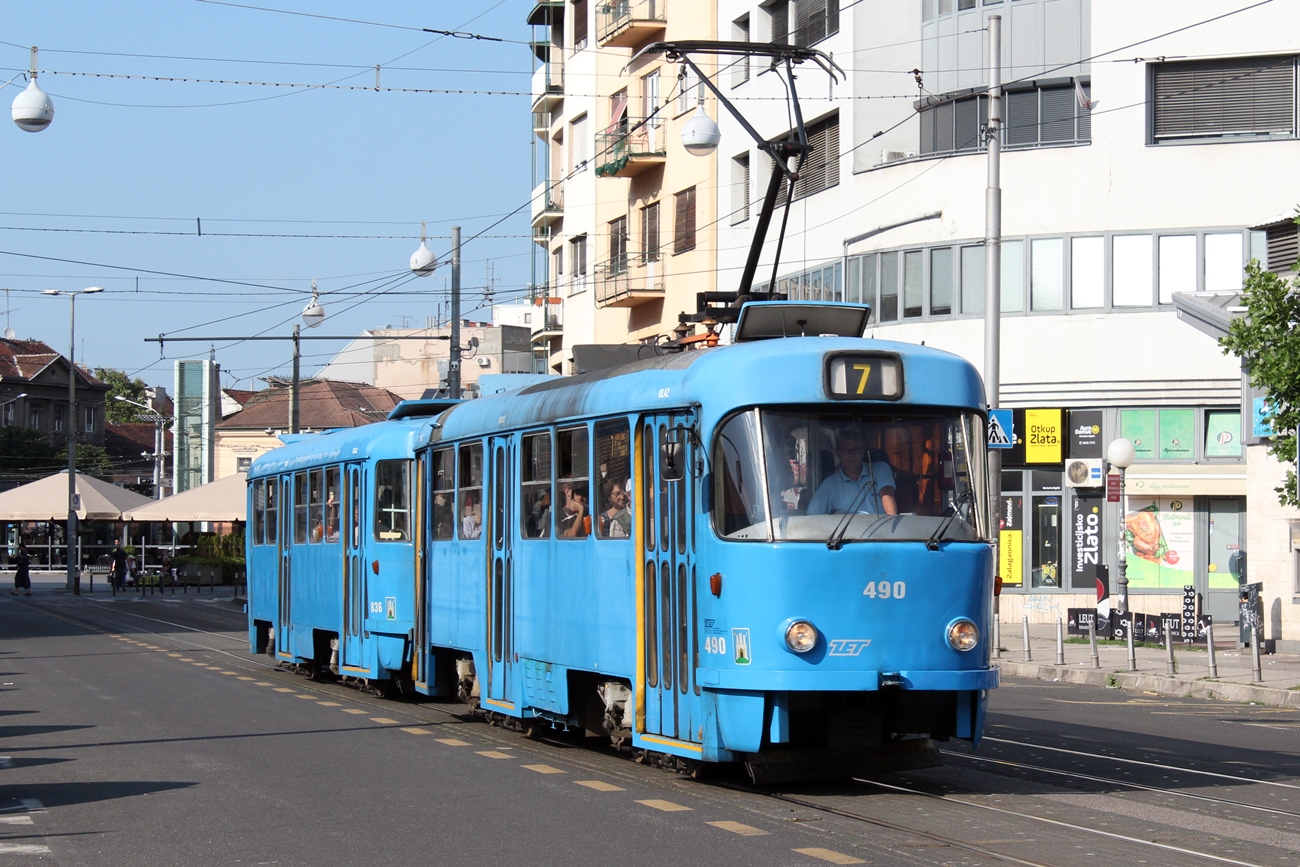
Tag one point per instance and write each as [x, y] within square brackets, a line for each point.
[27, 454]
[118, 382]
[1267, 340]
[92, 460]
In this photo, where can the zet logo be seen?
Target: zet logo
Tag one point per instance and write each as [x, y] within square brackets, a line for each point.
[848, 646]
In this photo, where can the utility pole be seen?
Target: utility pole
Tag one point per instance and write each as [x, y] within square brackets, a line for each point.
[453, 359]
[993, 277]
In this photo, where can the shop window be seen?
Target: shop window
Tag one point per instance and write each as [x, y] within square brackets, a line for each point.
[1223, 433]
[1087, 273]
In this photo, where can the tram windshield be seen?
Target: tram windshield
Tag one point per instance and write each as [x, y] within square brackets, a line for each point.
[851, 475]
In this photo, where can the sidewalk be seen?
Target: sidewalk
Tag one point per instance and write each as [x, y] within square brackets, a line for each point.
[46, 584]
[1279, 683]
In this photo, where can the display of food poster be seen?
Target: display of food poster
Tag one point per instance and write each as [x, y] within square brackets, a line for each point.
[1177, 434]
[1160, 537]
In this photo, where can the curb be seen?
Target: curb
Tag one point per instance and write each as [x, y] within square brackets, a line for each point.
[1161, 684]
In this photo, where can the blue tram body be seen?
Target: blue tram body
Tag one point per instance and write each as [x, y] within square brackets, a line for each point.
[330, 546]
[639, 552]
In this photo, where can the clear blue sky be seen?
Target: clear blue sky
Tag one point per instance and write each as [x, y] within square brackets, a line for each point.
[280, 177]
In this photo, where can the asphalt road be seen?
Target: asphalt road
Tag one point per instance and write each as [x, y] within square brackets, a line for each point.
[144, 733]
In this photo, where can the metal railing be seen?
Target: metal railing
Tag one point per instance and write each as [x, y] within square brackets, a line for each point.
[638, 138]
[630, 276]
[616, 16]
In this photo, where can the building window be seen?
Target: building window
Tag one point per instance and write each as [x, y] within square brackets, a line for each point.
[618, 246]
[579, 24]
[1087, 273]
[88, 416]
[578, 143]
[1233, 98]
[578, 256]
[821, 168]
[8, 415]
[1035, 116]
[650, 232]
[686, 85]
[557, 263]
[684, 225]
[34, 417]
[740, 188]
[941, 281]
[242, 464]
[58, 418]
[804, 22]
[740, 66]
[1132, 277]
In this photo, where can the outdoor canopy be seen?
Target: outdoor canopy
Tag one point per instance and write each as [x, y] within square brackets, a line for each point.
[222, 500]
[47, 500]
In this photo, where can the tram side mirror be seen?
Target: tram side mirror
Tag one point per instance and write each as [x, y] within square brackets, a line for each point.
[672, 460]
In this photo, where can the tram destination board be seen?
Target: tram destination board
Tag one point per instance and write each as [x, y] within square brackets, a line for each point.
[864, 376]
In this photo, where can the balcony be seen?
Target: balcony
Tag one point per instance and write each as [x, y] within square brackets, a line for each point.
[548, 204]
[631, 150]
[548, 324]
[542, 236]
[548, 84]
[629, 23]
[630, 281]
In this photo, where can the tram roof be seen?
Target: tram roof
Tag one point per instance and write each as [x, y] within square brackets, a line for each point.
[395, 438]
[766, 372]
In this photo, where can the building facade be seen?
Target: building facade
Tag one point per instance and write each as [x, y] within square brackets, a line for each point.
[1130, 176]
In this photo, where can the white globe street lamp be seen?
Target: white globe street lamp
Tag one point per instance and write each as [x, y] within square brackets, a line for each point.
[32, 110]
[423, 262]
[1121, 455]
[700, 134]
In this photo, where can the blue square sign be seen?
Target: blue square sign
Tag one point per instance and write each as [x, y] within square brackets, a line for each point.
[1001, 434]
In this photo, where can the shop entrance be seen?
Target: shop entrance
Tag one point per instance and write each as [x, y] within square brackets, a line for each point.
[1227, 557]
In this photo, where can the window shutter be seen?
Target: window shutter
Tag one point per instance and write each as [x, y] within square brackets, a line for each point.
[618, 245]
[1283, 246]
[821, 170]
[579, 23]
[684, 228]
[1022, 117]
[1058, 114]
[780, 15]
[1239, 96]
[966, 132]
[650, 232]
[943, 125]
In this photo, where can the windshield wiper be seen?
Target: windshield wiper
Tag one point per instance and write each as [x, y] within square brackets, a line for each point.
[933, 542]
[836, 539]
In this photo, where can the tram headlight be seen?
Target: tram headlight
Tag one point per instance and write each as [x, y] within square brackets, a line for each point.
[801, 636]
[963, 635]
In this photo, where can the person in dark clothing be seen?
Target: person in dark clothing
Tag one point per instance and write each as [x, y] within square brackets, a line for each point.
[22, 570]
[118, 561]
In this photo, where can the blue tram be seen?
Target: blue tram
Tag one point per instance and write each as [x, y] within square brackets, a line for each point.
[331, 542]
[774, 553]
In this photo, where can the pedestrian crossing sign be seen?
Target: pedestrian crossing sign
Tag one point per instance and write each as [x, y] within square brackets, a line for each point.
[1001, 432]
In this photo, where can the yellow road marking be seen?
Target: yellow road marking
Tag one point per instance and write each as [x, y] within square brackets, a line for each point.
[600, 786]
[213, 667]
[830, 855]
[666, 806]
[283, 689]
[245, 677]
[415, 731]
[383, 720]
[738, 828]
[543, 769]
[262, 683]
[228, 672]
[353, 710]
[174, 655]
[494, 754]
[453, 742]
[329, 704]
[311, 697]
[204, 664]
[184, 658]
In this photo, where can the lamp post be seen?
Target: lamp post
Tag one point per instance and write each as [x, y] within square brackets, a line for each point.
[1121, 455]
[154, 416]
[74, 574]
[313, 314]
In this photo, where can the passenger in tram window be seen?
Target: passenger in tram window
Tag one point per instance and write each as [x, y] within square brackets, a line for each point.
[861, 485]
[471, 522]
[616, 518]
[539, 515]
[575, 522]
[331, 518]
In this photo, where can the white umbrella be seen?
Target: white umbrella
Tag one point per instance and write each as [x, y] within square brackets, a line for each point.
[47, 500]
[222, 500]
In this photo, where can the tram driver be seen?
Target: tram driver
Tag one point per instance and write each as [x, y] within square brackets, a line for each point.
[864, 486]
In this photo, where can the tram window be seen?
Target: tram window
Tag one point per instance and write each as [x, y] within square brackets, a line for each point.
[354, 520]
[272, 510]
[535, 486]
[393, 501]
[664, 504]
[315, 517]
[614, 461]
[444, 494]
[471, 491]
[738, 502]
[573, 497]
[300, 498]
[332, 504]
[259, 512]
[647, 478]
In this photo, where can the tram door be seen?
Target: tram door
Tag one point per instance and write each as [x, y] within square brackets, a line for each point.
[284, 612]
[498, 521]
[667, 507]
[354, 574]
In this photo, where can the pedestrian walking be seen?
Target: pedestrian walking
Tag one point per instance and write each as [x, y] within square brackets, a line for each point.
[117, 559]
[22, 571]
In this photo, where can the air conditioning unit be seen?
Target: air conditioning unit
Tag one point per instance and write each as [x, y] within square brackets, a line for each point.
[484, 361]
[1084, 473]
[895, 156]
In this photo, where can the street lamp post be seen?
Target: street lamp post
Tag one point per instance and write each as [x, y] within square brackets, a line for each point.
[158, 419]
[1121, 455]
[74, 574]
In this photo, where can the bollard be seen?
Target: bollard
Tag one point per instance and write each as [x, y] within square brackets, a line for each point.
[1132, 654]
[112, 583]
[1256, 673]
[1060, 642]
[1209, 648]
[1028, 653]
[997, 637]
[1092, 642]
[1170, 666]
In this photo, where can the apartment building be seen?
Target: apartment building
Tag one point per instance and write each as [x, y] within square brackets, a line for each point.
[1146, 151]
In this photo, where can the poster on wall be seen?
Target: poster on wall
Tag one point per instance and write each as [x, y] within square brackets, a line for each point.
[1085, 544]
[1011, 541]
[1160, 541]
[1085, 433]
